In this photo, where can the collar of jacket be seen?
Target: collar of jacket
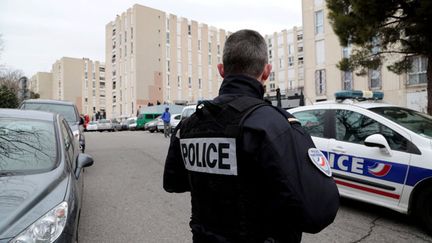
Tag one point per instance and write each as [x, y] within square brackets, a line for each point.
[242, 85]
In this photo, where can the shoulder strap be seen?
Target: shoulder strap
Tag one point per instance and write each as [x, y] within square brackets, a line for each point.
[245, 105]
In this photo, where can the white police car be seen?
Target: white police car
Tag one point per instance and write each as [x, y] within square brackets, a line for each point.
[379, 153]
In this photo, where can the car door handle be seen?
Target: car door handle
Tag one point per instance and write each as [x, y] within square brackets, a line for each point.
[339, 150]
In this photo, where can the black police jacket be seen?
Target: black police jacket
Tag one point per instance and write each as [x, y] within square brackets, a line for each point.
[265, 200]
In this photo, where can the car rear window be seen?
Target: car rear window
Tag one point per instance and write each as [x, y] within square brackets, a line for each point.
[26, 146]
[67, 111]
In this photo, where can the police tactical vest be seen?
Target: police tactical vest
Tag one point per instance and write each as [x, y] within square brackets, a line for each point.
[209, 142]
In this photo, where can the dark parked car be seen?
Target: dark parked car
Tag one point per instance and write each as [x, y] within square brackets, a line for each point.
[65, 108]
[40, 176]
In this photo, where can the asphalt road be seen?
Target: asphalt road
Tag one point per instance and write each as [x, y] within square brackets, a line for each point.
[124, 200]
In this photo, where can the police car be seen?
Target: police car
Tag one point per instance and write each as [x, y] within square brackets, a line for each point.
[379, 153]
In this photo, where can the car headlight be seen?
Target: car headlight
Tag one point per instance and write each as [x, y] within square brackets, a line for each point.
[47, 228]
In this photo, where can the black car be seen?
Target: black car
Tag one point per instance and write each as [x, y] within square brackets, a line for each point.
[65, 108]
[41, 184]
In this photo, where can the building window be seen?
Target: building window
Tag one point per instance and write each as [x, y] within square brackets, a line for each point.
[299, 36]
[375, 78]
[270, 42]
[199, 45]
[346, 51]
[319, 22]
[168, 80]
[190, 83]
[167, 38]
[178, 81]
[272, 76]
[218, 49]
[281, 63]
[417, 73]
[199, 83]
[300, 60]
[189, 30]
[125, 36]
[318, 2]
[131, 33]
[209, 47]
[272, 86]
[320, 82]
[300, 49]
[290, 61]
[270, 54]
[319, 52]
[347, 80]
[168, 66]
[131, 47]
[209, 59]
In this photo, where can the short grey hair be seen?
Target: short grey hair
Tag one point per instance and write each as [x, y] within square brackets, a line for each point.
[245, 52]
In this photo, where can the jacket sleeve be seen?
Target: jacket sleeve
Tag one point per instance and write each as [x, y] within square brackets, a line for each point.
[175, 177]
[301, 196]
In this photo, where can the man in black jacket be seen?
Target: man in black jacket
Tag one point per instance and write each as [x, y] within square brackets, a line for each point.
[244, 161]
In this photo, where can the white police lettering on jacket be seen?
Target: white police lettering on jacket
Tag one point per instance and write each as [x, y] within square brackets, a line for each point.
[210, 155]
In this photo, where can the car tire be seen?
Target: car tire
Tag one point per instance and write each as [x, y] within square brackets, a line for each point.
[423, 207]
[152, 131]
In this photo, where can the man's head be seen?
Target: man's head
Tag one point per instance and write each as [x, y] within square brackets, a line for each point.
[245, 52]
[166, 109]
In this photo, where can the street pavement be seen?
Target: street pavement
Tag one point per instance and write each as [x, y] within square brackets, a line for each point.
[124, 200]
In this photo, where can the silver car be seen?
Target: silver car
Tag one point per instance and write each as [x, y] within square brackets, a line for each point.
[65, 108]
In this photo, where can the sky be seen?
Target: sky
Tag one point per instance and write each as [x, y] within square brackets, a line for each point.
[37, 33]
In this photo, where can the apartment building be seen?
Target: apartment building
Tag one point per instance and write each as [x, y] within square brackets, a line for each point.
[42, 84]
[157, 57]
[322, 52]
[79, 80]
[285, 52]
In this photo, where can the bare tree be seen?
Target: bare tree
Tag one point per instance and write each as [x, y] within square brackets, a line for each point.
[10, 78]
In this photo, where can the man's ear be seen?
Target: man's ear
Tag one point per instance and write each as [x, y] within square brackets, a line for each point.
[221, 70]
[266, 72]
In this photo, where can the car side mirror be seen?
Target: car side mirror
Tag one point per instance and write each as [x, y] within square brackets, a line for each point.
[81, 121]
[378, 140]
[84, 160]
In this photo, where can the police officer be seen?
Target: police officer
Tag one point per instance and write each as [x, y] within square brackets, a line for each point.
[239, 158]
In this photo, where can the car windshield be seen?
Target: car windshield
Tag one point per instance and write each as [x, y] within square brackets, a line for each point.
[131, 121]
[26, 146]
[67, 111]
[415, 121]
[188, 112]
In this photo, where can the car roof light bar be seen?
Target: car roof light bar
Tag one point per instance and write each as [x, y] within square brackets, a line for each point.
[359, 95]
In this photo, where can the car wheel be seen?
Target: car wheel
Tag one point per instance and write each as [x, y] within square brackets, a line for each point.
[152, 131]
[423, 207]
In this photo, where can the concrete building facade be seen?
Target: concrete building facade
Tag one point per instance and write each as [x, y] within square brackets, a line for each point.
[42, 84]
[285, 52]
[322, 52]
[156, 57]
[79, 80]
